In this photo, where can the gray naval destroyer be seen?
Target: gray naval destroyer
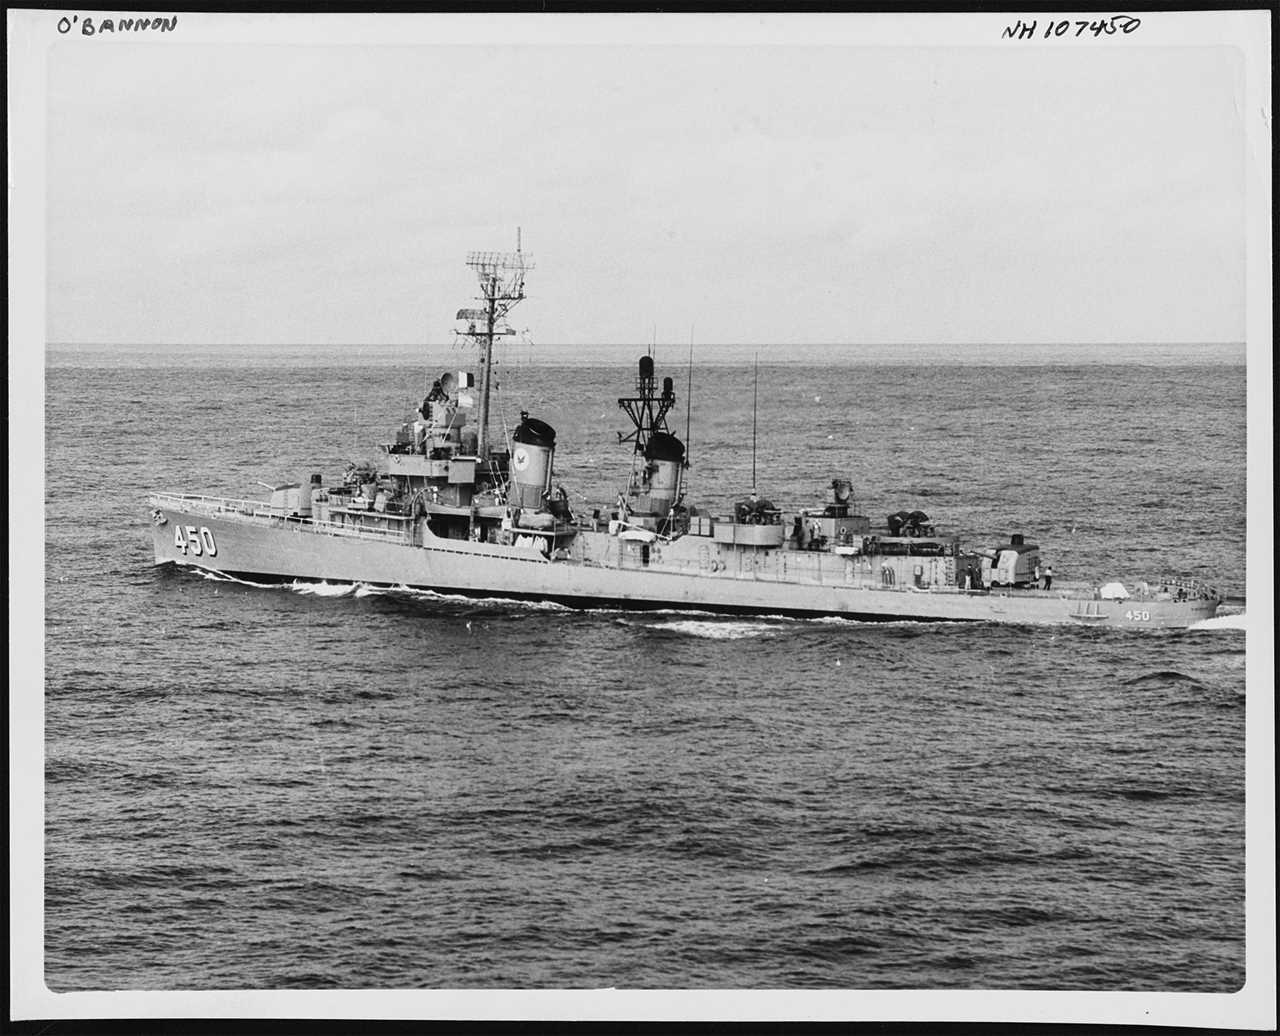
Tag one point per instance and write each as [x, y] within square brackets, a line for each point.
[449, 509]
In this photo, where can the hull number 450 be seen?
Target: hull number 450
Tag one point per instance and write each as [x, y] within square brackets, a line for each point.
[197, 541]
[1137, 616]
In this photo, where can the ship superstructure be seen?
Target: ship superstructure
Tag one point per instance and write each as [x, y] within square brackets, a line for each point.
[654, 497]
[453, 507]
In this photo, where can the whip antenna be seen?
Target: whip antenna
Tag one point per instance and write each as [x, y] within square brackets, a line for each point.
[688, 409]
[688, 395]
[755, 398]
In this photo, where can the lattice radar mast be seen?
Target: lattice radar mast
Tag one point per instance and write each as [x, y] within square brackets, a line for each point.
[501, 276]
[656, 485]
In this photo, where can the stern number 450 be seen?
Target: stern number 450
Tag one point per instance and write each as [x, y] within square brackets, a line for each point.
[198, 541]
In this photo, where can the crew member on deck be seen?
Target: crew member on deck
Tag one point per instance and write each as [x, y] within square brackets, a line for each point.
[801, 533]
[1048, 577]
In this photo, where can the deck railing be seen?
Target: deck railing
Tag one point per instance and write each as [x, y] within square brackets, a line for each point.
[1194, 587]
[214, 505]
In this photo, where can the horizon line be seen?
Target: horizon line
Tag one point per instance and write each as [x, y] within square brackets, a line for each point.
[638, 345]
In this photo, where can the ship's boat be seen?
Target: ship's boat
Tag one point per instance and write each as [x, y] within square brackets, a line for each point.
[449, 509]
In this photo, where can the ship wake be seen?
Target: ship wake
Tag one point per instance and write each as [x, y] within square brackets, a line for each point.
[422, 594]
[709, 629]
[308, 588]
[1222, 622]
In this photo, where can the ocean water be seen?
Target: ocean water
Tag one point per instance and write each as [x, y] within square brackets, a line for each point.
[329, 786]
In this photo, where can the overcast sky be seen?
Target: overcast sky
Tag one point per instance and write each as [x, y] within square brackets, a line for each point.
[768, 194]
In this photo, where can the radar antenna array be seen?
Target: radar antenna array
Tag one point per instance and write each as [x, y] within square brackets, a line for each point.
[501, 276]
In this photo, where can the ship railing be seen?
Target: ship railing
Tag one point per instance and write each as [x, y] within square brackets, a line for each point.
[401, 535]
[1195, 589]
[1179, 588]
[214, 505]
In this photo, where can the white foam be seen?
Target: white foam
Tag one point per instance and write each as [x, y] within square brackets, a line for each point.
[432, 595]
[712, 630]
[1222, 622]
[222, 577]
[323, 588]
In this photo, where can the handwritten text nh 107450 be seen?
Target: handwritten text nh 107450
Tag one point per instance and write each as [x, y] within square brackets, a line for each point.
[1117, 23]
[111, 26]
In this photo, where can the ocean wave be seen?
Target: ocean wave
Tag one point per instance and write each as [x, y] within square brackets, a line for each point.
[420, 594]
[1236, 621]
[323, 588]
[1163, 676]
[223, 577]
[711, 629]
[307, 587]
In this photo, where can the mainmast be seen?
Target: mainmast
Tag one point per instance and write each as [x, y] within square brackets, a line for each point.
[501, 276]
[656, 486]
[647, 409]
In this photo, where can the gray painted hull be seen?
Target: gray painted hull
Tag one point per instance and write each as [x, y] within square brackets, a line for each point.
[690, 573]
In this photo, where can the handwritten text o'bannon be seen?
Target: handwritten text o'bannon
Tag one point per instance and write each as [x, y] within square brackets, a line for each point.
[106, 26]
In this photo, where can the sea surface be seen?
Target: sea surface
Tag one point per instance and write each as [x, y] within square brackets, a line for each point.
[328, 786]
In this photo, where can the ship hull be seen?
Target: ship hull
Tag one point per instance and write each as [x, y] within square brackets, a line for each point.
[274, 550]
